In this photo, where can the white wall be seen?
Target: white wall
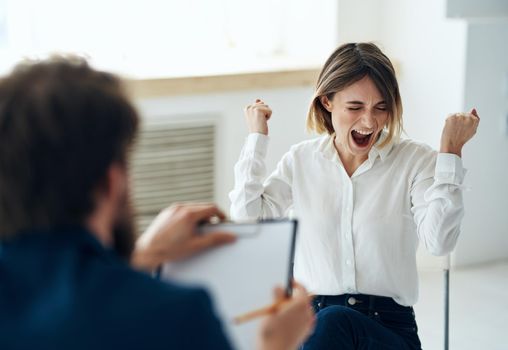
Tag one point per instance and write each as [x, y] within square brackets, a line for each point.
[287, 125]
[485, 227]
[430, 49]
[360, 21]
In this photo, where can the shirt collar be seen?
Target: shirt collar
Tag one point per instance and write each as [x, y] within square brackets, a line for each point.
[381, 151]
[327, 148]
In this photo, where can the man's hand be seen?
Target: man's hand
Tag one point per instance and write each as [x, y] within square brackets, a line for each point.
[290, 326]
[459, 128]
[173, 235]
[256, 116]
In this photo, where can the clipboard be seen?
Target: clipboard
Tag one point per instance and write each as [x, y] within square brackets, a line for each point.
[241, 276]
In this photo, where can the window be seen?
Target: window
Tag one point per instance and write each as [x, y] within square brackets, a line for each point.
[154, 38]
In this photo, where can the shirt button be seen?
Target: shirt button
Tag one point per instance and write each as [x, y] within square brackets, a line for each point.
[351, 301]
[348, 262]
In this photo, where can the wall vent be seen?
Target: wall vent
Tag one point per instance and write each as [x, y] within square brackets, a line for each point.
[172, 162]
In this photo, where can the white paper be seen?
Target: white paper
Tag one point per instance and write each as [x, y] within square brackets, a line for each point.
[241, 276]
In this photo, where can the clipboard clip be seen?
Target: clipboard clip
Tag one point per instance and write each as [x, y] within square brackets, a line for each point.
[241, 230]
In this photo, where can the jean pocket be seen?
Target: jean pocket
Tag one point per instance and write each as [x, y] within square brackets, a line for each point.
[404, 321]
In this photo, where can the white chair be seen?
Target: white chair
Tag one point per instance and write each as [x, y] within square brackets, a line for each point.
[446, 275]
[426, 262]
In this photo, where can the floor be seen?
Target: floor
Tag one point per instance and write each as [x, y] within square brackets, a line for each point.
[478, 308]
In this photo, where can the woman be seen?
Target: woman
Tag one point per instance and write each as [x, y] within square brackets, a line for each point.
[364, 199]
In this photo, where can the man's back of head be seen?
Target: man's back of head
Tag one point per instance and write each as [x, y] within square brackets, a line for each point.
[62, 124]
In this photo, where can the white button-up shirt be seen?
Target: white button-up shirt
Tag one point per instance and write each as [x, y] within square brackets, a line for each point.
[357, 234]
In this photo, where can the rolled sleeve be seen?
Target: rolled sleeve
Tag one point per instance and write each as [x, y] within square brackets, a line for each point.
[257, 144]
[449, 169]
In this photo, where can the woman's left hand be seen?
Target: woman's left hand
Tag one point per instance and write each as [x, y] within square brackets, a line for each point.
[459, 128]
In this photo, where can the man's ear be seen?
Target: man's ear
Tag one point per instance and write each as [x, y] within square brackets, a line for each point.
[107, 195]
[326, 103]
[117, 180]
[113, 184]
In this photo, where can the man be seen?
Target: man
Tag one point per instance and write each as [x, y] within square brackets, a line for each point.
[67, 235]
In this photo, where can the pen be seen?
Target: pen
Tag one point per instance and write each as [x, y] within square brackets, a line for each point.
[264, 311]
[267, 310]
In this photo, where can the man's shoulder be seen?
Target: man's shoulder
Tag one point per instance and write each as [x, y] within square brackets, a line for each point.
[166, 291]
[95, 300]
[161, 314]
[163, 311]
[149, 293]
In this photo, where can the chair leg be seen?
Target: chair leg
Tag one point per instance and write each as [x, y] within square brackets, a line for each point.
[446, 307]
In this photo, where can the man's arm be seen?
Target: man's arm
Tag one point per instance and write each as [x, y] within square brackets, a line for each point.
[173, 236]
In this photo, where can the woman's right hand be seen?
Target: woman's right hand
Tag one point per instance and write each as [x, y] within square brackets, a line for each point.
[257, 115]
[290, 325]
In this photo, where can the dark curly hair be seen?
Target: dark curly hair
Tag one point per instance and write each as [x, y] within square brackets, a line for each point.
[62, 124]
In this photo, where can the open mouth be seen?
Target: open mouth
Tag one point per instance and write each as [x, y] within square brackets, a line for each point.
[361, 138]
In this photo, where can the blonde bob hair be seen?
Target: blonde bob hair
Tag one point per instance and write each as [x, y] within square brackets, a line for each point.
[348, 64]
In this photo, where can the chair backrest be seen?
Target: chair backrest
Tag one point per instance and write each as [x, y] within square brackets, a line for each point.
[427, 261]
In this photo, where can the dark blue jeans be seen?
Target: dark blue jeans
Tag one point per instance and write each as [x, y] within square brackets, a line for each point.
[359, 321]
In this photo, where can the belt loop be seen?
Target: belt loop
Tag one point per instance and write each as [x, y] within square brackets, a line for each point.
[320, 302]
[372, 300]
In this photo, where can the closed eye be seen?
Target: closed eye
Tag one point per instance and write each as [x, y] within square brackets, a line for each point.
[354, 108]
[381, 106]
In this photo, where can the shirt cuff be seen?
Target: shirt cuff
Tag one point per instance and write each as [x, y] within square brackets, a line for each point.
[256, 143]
[449, 169]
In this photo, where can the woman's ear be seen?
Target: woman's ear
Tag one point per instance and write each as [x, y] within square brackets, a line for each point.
[326, 103]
